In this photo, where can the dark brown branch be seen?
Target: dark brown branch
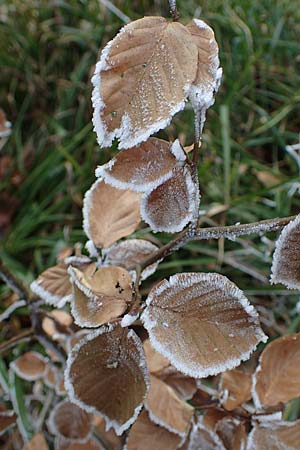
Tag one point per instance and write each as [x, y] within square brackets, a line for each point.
[21, 337]
[11, 280]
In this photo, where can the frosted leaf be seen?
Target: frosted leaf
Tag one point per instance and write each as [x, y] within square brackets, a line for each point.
[111, 363]
[166, 409]
[209, 74]
[232, 433]
[235, 388]
[51, 376]
[70, 422]
[90, 444]
[53, 285]
[142, 80]
[275, 435]
[170, 206]
[37, 442]
[109, 213]
[204, 438]
[155, 361]
[101, 297]
[57, 323]
[30, 366]
[141, 168]
[185, 387]
[7, 420]
[145, 435]
[129, 319]
[131, 252]
[277, 376]
[191, 318]
[107, 436]
[285, 265]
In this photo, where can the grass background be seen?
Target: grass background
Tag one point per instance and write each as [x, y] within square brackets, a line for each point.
[47, 54]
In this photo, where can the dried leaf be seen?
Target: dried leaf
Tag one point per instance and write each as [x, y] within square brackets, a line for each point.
[91, 444]
[202, 323]
[101, 297]
[155, 361]
[107, 375]
[38, 442]
[30, 366]
[68, 421]
[275, 436]
[53, 285]
[209, 74]
[58, 327]
[109, 213]
[109, 438]
[285, 266]
[166, 409]
[130, 253]
[277, 377]
[142, 80]
[145, 435]
[232, 433]
[203, 438]
[7, 420]
[235, 387]
[144, 167]
[170, 206]
[185, 387]
[51, 376]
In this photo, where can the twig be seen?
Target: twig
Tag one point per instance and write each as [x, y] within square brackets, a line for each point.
[16, 285]
[173, 10]
[228, 232]
[21, 337]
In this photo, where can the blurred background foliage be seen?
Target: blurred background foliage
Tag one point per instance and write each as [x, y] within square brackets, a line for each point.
[48, 49]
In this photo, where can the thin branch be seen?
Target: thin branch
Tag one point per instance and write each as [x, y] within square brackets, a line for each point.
[21, 337]
[11, 280]
[229, 232]
[173, 10]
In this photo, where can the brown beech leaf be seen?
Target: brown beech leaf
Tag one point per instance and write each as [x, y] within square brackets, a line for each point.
[144, 167]
[53, 285]
[109, 438]
[101, 297]
[90, 444]
[204, 438]
[277, 376]
[155, 361]
[69, 421]
[142, 80]
[38, 442]
[7, 420]
[185, 387]
[232, 433]
[109, 213]
[235, 387]
[209, 74]
[275, 436]
[285, 266]
[145, 435]
[130, 253]
[170, 206]
[51, 376]
[166, 409]
[106, 374]
[58, 327]
[202, 323]
[30, 366]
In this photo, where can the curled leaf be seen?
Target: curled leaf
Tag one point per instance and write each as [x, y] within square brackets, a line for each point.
[101, 297]
[144, 167]
[185, 387]
[142, 80]
[277, 376]
[30, 366]
[56, 323]
[146, 435]
[285, 266]
[170, 206]
[202, 323]
[235, 387]
[109, 213]
[70, 422]
[106, 374]
[275, 435]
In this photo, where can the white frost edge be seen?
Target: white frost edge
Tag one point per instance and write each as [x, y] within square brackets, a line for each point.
[127, 137]
[21, 374]
[275, 269]
[192, 190]
[119, 429]
[77, 260]
[192, 279]
[200, 426]
[54, 430]
[177, 150]
[49, 299]
[87, 204]
[273, 425]
[55, 369]
[129, 319]
[92, 250]
[255, 397]
[263, 418]
[11, 308]
[163, 424]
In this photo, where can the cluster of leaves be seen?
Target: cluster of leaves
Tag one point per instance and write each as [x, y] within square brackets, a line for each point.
[199, 325]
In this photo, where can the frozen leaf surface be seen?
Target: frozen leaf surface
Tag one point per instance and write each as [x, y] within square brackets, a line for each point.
[142, 168]
[69, 421]
[142, 80]
[232, 433]
[30, 366]
[286, 262]
[277, 377]
[235, 387]
[166, 409]
[203, 438]
[106, 374]
[170, 206]
[275, 436]
[109, 213]
[202, 323]
[101, 297]
[146, 435]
